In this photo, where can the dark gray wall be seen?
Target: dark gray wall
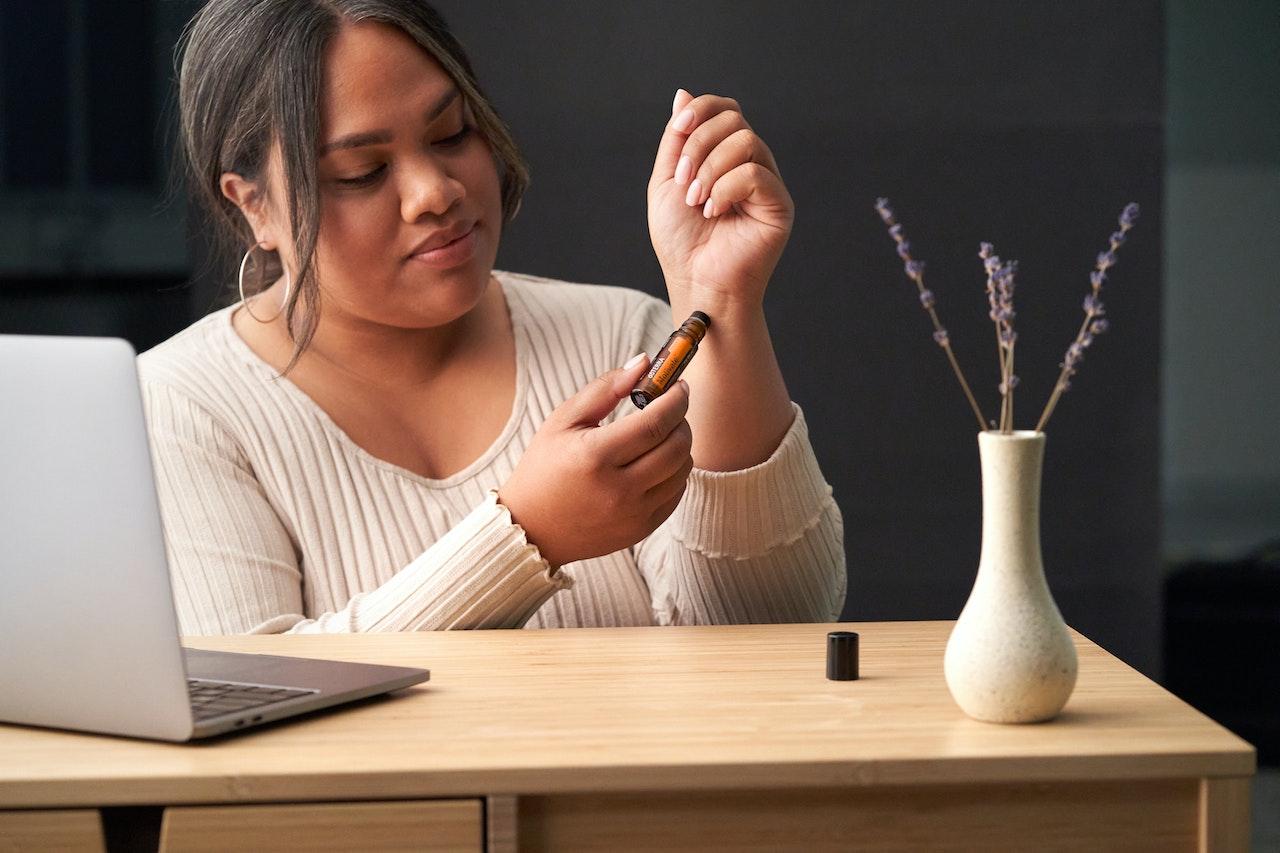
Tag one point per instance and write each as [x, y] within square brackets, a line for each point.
[1029, 125]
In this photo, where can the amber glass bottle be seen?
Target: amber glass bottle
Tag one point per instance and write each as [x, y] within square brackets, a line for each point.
[671, 360]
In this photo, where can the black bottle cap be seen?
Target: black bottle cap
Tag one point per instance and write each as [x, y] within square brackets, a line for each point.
[842, 656]
[706, 321]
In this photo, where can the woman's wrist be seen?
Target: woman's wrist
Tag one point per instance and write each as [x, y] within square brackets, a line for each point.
[725, 312]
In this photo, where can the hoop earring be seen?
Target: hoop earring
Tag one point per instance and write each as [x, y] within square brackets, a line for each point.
[244, 303]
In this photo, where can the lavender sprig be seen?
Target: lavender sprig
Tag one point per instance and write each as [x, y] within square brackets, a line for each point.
[1000, 284]
[915, 271]
[1094, 323]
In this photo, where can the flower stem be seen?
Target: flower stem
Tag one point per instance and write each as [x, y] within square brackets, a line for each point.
[1059, 386]
[973, 404]
[1004, 377]
[1008, 422]
[955, 365]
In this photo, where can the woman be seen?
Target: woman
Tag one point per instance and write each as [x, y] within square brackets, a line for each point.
[391, 434]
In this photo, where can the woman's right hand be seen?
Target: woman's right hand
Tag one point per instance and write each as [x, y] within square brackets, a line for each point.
[583, 490]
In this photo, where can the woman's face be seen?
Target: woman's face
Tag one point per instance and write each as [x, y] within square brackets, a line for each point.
[410, 167]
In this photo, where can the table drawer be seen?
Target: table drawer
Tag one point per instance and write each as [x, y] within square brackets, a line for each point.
[378, 826]
[52, 829]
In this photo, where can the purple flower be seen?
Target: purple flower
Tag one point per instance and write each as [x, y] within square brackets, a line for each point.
[992, 264]
[882, 207]
[904, 250]
[985, 250]
[926, 299]
[1075, 353]
[1097, 277]
[1013, 383]
[1093, 306]
[1085, 340]
[1097, 327]
[940, 337]
[1129, 215]
[1004, 280]
[1117, 239]
[1106, 259]
[895, 231]
[1009, 337]
[914, 269]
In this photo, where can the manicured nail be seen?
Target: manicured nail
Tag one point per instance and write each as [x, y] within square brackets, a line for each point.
[635, 359]
[709, 209]
[695, 192]
[683, 168]
[675, 101]
[683, 121]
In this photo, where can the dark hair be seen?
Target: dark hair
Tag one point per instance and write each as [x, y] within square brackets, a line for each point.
[250, 72]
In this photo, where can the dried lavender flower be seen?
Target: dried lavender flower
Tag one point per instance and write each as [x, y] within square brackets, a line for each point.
[915, 269]
[1094, 323]
[940, 337]
[1129, 215]
[926, 299]
[985, 250]
[904, 250]
[886, 213]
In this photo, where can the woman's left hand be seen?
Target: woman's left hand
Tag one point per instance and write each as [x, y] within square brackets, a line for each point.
[719, 214]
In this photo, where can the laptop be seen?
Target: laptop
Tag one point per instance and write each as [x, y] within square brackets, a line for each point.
[88, 630]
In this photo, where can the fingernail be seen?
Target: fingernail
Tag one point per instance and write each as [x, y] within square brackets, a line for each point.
[695, 192]
[675, 101]
[683, 168]
[635, 359]
[685, 386]
[683, 122]
[709, 209]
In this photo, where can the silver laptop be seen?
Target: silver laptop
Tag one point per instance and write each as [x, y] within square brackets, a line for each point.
[88, 631]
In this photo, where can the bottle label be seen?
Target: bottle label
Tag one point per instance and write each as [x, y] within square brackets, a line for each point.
[675, 357]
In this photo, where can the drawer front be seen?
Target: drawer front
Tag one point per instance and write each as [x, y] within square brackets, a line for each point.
[52, 829]
[435, 825]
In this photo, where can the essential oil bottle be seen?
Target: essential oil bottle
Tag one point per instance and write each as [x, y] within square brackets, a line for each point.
[671, 360]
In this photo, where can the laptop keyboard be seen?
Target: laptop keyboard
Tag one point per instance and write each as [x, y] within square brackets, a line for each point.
[214, 698]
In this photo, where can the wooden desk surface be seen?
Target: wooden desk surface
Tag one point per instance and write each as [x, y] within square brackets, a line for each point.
[556, 711]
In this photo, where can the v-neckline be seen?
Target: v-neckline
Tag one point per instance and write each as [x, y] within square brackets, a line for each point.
[515, 312]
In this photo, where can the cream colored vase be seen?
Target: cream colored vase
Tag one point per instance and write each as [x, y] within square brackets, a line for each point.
[1010, 658]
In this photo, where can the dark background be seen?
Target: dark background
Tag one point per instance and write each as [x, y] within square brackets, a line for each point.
[1026, 124]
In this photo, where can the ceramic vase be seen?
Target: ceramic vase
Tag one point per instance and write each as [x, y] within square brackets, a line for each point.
[1010, 658]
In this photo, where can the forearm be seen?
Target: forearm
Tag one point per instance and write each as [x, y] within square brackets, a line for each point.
[739, 408]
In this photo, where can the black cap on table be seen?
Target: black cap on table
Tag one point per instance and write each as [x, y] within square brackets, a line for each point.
[842, 656]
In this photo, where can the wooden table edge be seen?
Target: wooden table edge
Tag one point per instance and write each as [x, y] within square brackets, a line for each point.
[287, 786]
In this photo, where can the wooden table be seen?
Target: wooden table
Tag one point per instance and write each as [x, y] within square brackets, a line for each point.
[710, 738]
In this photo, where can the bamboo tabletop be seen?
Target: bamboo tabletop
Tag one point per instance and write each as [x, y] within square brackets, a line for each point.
[618, 709]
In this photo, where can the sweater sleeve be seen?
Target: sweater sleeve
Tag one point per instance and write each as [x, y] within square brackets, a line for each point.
[235, 568]
[763, 544]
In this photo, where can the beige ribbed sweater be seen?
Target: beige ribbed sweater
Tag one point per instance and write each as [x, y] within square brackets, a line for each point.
[278, 521]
